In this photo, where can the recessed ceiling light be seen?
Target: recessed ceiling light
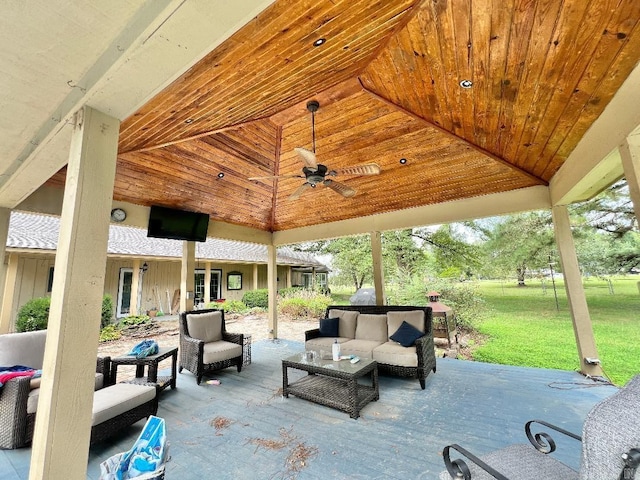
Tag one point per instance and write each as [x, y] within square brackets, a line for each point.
[403, 161]
[189, 120]
[319, 42]
[220, 175]
[466, 84]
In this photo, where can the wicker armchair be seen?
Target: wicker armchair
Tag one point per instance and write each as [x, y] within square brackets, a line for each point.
[205, 345]
[610, 447]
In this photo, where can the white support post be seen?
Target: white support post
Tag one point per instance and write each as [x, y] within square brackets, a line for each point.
[289, 281]
[11, 276]
[630, 155]
[272, 285]
[207, 283]
[378, 271]
[63, 424]
[187, 276]
[255, 276]
[575, 293]
[5, 216]
[134, 308]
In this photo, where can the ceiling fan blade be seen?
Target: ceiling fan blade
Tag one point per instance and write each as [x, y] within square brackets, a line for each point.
[308, 157]
[273, 177]
[301, 189]
[341, 188]
[366, 169]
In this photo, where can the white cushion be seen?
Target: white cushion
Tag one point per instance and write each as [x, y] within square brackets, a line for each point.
[393, 353]
[32, 399]
[217, 351]
[116, 399]
[361, 348]
[372, 327]
[347, 323]
[205, 326]
[414, 318]
[323, 343]
[26, 348]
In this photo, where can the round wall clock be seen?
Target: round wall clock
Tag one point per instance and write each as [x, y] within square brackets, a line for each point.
[118, 215]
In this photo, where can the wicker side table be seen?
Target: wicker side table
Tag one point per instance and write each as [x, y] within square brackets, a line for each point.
[151, 362]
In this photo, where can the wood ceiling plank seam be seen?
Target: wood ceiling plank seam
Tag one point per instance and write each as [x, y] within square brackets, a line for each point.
[519, 39]
[480, 76]
[276, 182]
[234, 174]
[541, 40]
[265, 24]
[475, 147]
[407, 74]
[550, 94]
[264, 78]
[462, 26]
[432, 47]
[236, 148]
[194, 137]
[585, 38]
[445, 35]
[501, 15]
[594, 99]
[262, 135]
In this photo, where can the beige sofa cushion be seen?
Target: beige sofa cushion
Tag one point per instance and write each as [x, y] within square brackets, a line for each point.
[323, 344]
[32, 398]
[119, 398]
[372, 327]
[361, 348]
[217, 351]
[415, 318]
[205, 326]
[25, 348]
[393, 353]
[347, 326]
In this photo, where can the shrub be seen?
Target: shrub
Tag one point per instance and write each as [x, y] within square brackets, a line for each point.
[109, 333]
[303, 303]
[33, 315]
[256, 298]
[133, 320]
[107, 311]
[233, 306]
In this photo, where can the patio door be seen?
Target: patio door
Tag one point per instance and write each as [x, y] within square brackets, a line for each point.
[214, 286]
[123, 308]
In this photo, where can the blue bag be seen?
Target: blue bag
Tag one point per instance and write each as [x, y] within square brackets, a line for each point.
[144, 349]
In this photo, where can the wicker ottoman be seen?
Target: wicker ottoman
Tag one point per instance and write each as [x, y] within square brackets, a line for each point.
[118, 406]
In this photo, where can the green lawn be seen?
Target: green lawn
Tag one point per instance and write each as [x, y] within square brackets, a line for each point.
[524, 327]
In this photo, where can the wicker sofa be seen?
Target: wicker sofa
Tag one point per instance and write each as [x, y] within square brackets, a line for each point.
[364, 330]
[114, 406]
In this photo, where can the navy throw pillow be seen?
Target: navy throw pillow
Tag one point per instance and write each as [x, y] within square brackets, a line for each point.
[406, 335]
[329, 327]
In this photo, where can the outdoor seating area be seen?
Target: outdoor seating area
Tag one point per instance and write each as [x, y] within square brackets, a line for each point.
[246, 421]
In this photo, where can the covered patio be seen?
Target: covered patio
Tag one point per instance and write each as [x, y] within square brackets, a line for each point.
[244, 429]
[457, 110]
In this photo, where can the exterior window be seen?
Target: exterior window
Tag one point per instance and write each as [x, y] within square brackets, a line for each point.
[50, 281]
[234, 281]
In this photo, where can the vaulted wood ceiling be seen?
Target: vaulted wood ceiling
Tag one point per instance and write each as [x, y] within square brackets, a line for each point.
[388, 82]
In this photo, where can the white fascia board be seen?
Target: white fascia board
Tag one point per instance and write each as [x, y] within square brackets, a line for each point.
[525, 199]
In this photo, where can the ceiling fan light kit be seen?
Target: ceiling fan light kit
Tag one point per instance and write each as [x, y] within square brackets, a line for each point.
[316, 173]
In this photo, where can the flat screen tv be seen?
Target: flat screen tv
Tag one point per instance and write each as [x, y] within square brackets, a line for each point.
[177, 224]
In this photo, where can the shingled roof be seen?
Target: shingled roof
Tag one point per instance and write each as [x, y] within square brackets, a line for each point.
[40, 232]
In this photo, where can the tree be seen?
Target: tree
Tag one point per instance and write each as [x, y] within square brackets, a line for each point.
[519, 242]
[611, 211]
[352, 257]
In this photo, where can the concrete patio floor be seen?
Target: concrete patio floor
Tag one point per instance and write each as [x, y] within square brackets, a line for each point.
[244, 429]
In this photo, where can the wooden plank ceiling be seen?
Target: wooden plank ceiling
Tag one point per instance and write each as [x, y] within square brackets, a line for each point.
[388, 82]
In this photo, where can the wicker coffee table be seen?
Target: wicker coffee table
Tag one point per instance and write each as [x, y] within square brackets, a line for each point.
[333, 384]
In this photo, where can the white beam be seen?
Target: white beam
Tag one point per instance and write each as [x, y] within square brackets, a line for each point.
[63, 423]
[589, 162]
[525, 199]
[378, 270]
[272, 285]
[187, 276]
[6, 325]
[5, 216]
[630, 153]
[575, 292]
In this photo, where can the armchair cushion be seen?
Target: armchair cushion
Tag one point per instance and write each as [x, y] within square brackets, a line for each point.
[406, 335]
[205, 326]
[329, 327]
[219, 351]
